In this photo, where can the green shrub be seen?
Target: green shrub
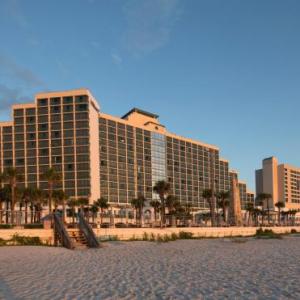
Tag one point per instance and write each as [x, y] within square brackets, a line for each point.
[6, 226]
[145, 236]
[267, 234]
[166, 238]
[133, 238]
[33, 226]
[184, 235]
[26, 240]
[293, 231]
[159, 238]
[113, 238]
[3, 242]
[174, 236]
[152, 237]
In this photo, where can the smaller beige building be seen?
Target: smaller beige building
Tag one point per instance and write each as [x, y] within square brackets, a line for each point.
[282, 181]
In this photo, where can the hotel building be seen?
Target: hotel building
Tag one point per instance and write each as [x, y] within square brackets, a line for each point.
[101, 155]
[282, 181]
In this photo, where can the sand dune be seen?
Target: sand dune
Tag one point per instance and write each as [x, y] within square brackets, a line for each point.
[191, 269]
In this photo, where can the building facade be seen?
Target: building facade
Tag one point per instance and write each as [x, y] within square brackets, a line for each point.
[282, 181]
[99, 155]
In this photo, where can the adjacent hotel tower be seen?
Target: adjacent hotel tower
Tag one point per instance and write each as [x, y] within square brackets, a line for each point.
[101, 155]
[282, 181]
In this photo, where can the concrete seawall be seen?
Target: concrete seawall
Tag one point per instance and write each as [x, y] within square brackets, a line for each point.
[46, 235]
[204, 232]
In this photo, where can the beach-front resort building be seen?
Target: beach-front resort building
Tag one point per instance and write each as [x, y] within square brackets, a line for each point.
[282, 181]
[99, 155]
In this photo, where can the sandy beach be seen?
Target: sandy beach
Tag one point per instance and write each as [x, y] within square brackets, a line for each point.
[185, 269]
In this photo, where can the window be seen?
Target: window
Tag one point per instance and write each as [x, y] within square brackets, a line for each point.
[43, 127]
[44, 152]
[68, 108]
[82, 107]
[57, 159]
[18, 112]
[70, 167]
[67, 100]
[56, 134]
[42, 102]
[54, 101]
[55, 109]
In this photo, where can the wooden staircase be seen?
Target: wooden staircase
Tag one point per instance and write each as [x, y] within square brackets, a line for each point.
[78, 238]
[81, 237]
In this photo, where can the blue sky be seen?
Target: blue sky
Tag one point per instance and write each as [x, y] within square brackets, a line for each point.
[224, 72]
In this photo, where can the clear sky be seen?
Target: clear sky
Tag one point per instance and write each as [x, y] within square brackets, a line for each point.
[226, 72]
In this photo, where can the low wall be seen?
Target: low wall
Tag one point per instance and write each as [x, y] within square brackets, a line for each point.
[128, 233]
[46, 235]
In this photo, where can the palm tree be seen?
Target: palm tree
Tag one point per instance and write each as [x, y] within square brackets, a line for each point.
[256, 213]
[72, 203]
[162, 188]
[5, 196]
[39, 199]
[82, 202]
[250, 210]
[171, 204]
[103, 204]
[94, 209]
[12, 176]
[223, 202]
[27, 195]
[2, 200]
[263, 214]
[156, 207]
[139, 203]
[60, 198]
[207, 194]
[52, 177]
[293, 213]
[2, 196]
[279, 205]
[264, 198]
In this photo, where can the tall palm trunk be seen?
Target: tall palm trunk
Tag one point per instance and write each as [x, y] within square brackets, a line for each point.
[212, 212]
[141, 215]
[268, 210]
[50, 184]
[73, 215]
[224, 211]
[163, 211]
[31, 213]
[26, 212]
[13, 200]
[1, 211]
[101, 216]
[7, 209]
[279, 216]
[64, 211]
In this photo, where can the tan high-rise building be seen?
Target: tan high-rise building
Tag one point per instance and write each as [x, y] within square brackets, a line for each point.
[59, 130]
[99, 155]
[282, 181]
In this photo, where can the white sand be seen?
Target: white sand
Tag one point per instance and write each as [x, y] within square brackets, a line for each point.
[197, 269]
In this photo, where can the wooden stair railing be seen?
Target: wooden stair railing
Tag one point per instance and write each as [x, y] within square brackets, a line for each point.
[87, 231]
[60, 233]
